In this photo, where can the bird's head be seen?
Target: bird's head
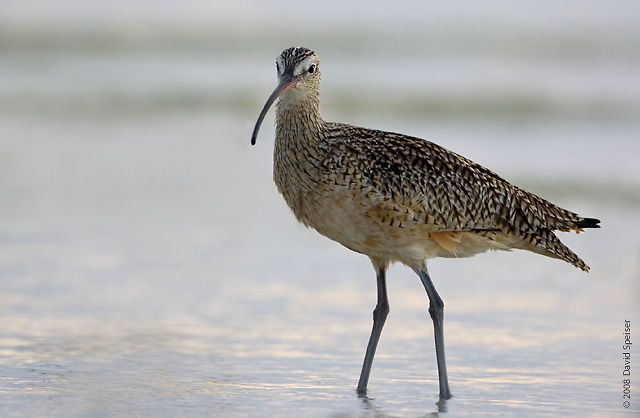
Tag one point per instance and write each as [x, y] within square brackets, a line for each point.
[298, 80]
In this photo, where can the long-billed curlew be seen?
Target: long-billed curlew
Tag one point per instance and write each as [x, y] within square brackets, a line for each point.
[397, 198]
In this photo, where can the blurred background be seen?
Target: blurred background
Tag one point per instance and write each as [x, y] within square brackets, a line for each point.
[149, 267]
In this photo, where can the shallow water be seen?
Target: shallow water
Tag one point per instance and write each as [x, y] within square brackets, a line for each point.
[149, 267]
[160, 276]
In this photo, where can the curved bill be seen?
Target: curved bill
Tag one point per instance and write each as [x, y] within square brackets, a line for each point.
[286, 82]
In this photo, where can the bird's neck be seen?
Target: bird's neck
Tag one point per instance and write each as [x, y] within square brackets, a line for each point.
[298, 119]
[296, 153]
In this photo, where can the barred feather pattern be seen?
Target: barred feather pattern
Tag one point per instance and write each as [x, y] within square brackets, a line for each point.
[401, 198]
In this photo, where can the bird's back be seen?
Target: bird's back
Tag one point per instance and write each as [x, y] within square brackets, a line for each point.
[406, 199]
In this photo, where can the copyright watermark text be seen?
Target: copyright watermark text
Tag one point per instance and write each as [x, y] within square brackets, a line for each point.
[626, 371]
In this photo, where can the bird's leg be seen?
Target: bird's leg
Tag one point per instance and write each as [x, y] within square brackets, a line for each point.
[436, 310]
[379, 316]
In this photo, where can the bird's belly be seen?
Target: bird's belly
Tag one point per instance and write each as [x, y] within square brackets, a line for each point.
[388, 233]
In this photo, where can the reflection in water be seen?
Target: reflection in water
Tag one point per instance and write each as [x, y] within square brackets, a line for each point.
[369, 405]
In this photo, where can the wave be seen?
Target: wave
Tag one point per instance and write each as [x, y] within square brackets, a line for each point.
[511, 105]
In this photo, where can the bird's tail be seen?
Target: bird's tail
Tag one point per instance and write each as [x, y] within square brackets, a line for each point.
[547, 243]
[588, 223]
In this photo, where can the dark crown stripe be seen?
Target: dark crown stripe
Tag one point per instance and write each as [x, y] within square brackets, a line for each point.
[295, 55]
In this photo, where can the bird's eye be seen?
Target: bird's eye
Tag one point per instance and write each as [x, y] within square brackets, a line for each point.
[312, 68]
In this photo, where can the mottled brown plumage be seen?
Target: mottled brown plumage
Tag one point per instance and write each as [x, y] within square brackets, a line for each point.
[397, 198]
